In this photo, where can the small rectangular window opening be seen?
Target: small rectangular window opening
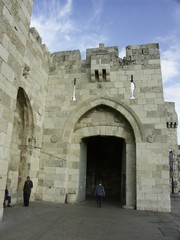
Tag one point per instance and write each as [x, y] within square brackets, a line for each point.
[96, 75]
[104, 74]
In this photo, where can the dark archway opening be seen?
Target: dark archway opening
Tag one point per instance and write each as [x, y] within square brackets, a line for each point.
[105, 163]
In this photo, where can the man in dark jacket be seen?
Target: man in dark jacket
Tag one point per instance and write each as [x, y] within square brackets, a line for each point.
[28, 185]
[100, 193]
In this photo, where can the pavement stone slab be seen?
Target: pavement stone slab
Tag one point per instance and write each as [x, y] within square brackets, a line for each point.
[85, 221]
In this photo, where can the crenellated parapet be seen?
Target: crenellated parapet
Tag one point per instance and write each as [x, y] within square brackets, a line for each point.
[36, 38]
[68, 61]
[36, 35]
[104, 60]
[142, 53]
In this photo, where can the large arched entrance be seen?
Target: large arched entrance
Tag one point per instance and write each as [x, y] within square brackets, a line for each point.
[107, 128]
[106, 163]
[101, 116]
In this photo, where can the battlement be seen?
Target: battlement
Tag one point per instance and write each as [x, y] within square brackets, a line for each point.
[145, 51]
[35, 34]
[37, 38]
[145, 55]
[102, 52]
[63, 56]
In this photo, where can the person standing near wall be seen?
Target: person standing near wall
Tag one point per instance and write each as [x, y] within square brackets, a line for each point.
[100, 193]
[7, 197]
[28, 185]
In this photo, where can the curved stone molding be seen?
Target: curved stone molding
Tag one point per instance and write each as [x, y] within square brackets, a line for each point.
[120, 107]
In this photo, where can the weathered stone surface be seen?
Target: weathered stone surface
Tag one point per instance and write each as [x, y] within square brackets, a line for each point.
[51, 105]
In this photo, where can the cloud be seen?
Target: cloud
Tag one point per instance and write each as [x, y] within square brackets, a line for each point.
[61, 31]
[67, 9]
[97, 7]
[53, 21]
[169, 69]
[170, 62]
[55, 10]
[170, 57]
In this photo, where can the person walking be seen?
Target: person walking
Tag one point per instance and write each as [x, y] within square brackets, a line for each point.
[28, 185]
[99, 193]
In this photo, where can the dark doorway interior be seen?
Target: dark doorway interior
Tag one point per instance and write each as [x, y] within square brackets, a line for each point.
[104, 163]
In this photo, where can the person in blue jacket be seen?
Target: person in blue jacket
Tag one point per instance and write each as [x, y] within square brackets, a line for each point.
[99, 193]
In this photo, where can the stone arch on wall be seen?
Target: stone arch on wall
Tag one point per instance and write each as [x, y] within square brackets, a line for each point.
[102, 117]
[119, 106]
[21, 145]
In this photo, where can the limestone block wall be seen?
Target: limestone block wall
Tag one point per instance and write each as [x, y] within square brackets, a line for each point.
[14, 24]
[44, 97]
[34, 76]
[153, 190]
[23, 63]
[141, 65]
[34, 84]
[53, 175]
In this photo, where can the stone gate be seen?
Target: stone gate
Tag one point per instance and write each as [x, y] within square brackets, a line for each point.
[69, 122]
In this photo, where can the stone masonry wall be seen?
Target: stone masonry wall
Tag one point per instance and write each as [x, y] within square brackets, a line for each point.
[58, 90]
[23, 63]
[140, 65]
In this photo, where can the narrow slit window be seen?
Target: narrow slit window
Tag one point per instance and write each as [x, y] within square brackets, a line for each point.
[96, 75]
[104, 74]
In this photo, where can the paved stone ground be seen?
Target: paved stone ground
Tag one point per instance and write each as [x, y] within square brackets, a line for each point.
[49, 221]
